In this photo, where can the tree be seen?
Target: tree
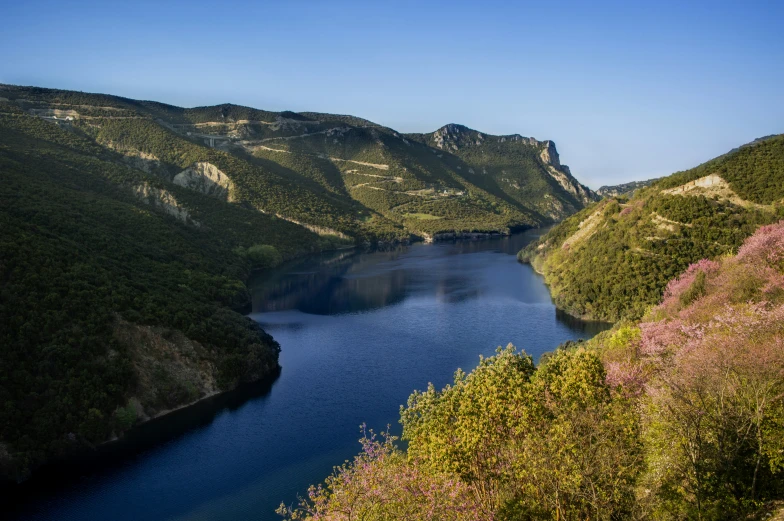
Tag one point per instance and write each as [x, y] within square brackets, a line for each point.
[263, 256]
[381, 485]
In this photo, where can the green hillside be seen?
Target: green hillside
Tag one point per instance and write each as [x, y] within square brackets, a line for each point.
[612, 260]
[116, 292]
[340, 175]
[624, 189]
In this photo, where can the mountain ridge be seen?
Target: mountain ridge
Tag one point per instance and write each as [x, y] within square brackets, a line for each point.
[341, 155]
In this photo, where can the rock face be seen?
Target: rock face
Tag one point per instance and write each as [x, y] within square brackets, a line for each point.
[453, 137]
[517, 164]
[165, 201]
[709, 181]
[563, 175]
[207, 179]
[550, 156]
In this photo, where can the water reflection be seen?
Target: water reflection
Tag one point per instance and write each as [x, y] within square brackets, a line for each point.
[358, 331]
[356, 281]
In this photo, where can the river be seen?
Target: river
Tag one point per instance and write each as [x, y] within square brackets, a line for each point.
[358, 332]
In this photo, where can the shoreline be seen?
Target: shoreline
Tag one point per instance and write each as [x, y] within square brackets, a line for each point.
[169, 423]
[146, 435]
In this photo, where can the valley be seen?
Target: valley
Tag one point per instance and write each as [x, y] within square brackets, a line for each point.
[131, 228]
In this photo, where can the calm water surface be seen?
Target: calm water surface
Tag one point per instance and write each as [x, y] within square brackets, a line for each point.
[358, 332]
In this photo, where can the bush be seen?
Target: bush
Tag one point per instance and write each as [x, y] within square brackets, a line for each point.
[263, 256]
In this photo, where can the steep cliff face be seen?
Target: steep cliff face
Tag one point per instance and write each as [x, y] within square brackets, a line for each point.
[163, 200]
[563, 175]
[522, 168]
[207, 179]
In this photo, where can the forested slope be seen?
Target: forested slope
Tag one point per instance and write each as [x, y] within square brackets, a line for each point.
[338, 174]
[612, 260]
[115, 303]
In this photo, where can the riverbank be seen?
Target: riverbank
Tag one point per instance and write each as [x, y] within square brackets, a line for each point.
[144, 436]
[359, 331]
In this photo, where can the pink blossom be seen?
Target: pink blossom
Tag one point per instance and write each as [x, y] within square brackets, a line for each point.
[626, 374]
[657, 337]
[766, 244]
[680, 284]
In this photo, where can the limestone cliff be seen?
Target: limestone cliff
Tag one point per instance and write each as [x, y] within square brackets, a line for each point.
[207, 179]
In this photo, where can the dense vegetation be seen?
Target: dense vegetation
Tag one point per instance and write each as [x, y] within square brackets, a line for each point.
[613, 260]
[624, 189]
[754, 171]
[341, 174]
[86, 267]
[679, 416]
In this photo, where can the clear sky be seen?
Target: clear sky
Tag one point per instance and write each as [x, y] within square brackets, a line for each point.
[628, 90]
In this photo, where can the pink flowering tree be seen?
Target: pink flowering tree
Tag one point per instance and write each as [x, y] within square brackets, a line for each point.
[381, 484]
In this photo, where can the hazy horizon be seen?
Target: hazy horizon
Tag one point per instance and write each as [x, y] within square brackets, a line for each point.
[627, 92]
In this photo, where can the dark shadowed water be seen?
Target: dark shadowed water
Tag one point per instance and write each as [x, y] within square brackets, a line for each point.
[358, 332]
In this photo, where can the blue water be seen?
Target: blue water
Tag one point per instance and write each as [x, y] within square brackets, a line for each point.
[358, 332]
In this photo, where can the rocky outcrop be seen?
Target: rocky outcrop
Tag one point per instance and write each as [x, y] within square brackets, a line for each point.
[549, 155]
[624, 189]
[454, 137]
[207, 179]
[562, 174]
[712, 186]
[710, 182]
[165, 201]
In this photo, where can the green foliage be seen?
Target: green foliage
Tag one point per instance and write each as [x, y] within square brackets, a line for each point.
[125, 417]
[753, 171]
[262, 256]
[680, 416]
[546, 443]
[99, 238]
[78, 253]
[381, 485]
[340, 173]
[695, 291]
[612, 260]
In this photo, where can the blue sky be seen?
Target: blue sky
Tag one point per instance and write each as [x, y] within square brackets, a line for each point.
[627, 90]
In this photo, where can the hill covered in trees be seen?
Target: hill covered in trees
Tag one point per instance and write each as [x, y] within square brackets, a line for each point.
[612, 260]
[677, 416]
[624, 189]
[339, 175]
[116, 293]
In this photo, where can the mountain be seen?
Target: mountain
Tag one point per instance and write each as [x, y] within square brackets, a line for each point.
[624, 189]
[612, 260]
[339, 175]
[117, 292]
[130, 228]
[521, 170]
